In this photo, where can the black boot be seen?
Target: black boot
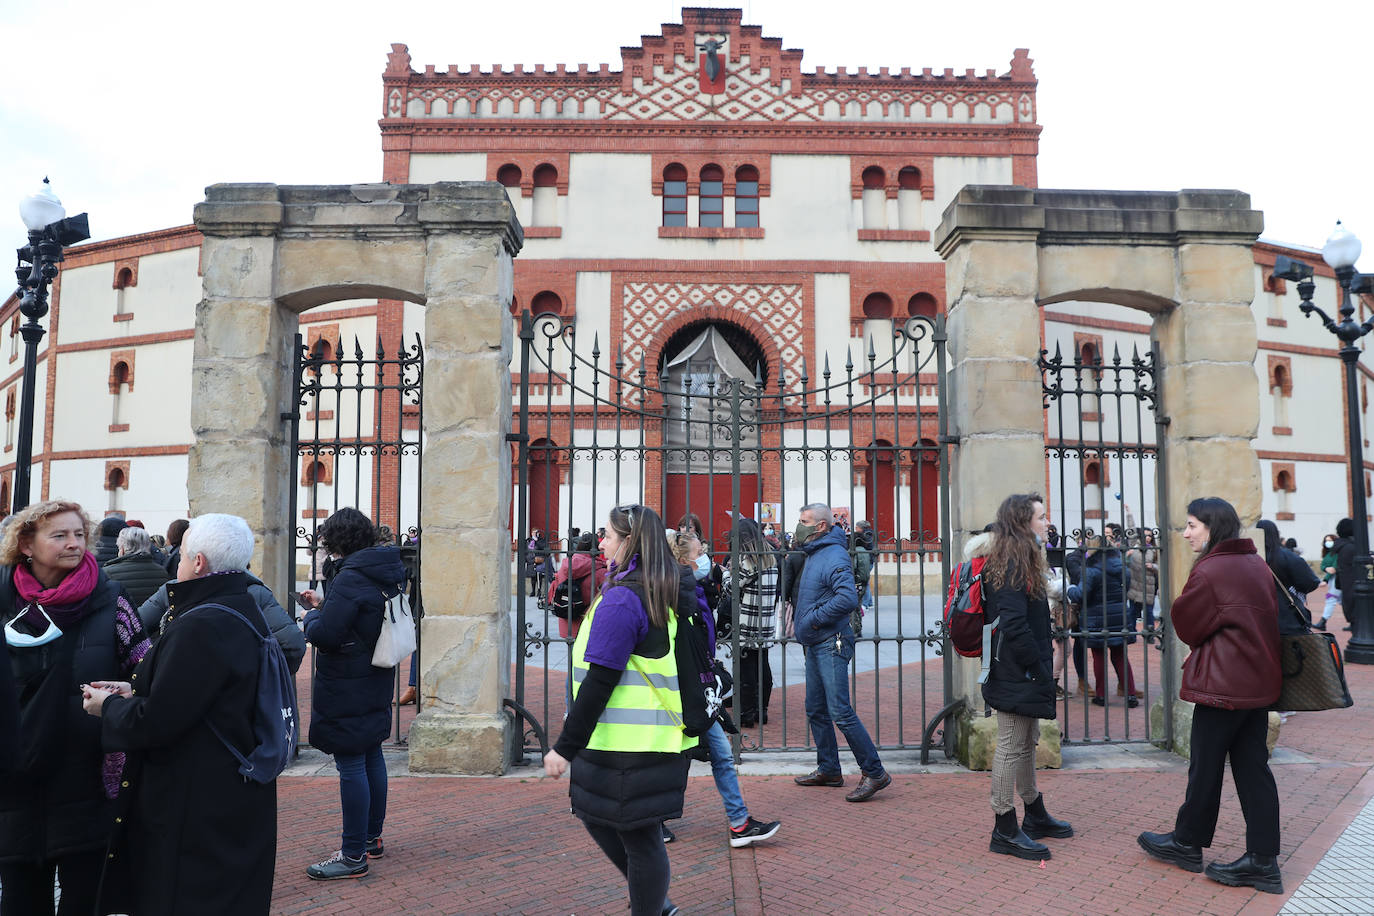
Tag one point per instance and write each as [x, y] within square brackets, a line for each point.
[1010, 840]
[1038, 822]
[1250, 870]
[1166, 848]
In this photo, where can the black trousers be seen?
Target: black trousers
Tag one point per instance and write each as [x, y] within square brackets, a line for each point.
[755, 684]
[640, 856]
[1239, 734]
[28, 887]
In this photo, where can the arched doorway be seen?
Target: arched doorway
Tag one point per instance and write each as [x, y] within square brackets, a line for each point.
[700, 367]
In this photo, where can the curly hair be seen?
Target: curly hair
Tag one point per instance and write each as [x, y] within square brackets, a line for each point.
[1016, 553]
[25, 526]
[346, 531]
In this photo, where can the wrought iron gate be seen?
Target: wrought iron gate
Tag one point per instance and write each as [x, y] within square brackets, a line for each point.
[715, 427]
[1104, 436]
[356, 441]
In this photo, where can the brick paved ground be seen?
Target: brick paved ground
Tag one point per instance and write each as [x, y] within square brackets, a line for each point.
[509, 845]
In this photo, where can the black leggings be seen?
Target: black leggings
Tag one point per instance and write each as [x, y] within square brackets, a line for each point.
[28, 887]
[642, 859]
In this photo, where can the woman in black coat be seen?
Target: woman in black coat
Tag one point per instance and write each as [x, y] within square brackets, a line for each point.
[66, 623]
[198, 837]
[1020, 682]
[350, 700]
[1289, 568]
[1102, 597]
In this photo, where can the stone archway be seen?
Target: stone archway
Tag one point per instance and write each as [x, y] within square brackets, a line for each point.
[1183, 257]
[273, 251]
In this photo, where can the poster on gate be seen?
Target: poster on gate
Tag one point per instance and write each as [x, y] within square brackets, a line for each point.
[841, 514]
[768, 513]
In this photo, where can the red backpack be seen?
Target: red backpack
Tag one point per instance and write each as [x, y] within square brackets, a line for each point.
[964, 608]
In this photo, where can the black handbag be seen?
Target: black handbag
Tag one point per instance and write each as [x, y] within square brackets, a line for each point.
[1313, 670]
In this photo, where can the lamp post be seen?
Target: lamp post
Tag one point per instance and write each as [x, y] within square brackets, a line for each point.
[1341, 252]
[50, 230]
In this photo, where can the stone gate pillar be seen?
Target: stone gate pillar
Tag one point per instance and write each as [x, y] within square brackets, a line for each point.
[273, 251]
[1184, 258]
[988, 240]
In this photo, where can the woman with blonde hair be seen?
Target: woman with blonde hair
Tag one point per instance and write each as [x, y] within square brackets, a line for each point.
[66, 624]
[1020, 684]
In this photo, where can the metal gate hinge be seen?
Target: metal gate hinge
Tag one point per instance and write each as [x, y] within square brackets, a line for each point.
[290, 415]
[516, 437]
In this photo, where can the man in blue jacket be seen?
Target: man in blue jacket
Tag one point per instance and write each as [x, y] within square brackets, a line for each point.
[825, 597]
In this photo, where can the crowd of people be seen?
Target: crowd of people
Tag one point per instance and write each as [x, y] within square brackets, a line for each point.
[125, 722]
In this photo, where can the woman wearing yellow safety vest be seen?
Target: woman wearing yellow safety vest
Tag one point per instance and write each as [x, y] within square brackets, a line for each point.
[624, 731]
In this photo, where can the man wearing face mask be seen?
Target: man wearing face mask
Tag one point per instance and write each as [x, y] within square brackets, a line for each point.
[825, 597]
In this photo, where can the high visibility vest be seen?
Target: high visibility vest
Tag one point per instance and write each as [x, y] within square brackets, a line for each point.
[637, 717]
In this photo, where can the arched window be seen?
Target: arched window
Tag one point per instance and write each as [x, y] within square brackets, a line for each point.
[875, 198]
[509, 175]
[125, 278]
[544, 486]
[1281, 391]
[925, 492]
[675, 195]
[877, 306]
[546, 303]
[119, 384]
[746, 196]
[909, 214]
[544, 210]
[115, 481]
[922, 304]
[1095, 483]
[315, 472]
[1283, 489]
[712, 196]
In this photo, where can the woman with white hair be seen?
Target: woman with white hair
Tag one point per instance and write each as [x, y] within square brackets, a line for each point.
[135, 568]
[199, 837]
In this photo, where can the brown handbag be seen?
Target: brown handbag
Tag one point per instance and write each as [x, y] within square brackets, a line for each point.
[1313, 671]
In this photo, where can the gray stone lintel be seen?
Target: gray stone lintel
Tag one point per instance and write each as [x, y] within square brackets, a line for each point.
[1054, 216]
[359, 210]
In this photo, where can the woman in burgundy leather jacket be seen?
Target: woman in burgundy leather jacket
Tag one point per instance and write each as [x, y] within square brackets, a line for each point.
[1228, 615]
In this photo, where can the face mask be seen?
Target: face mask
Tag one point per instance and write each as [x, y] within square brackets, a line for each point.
[1329, 544]
[703, 566]
[19, 639]
[803, 533]
[768, 531]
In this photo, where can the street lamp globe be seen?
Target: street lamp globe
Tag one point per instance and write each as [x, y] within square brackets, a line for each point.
[1342, 249]
[41, 209]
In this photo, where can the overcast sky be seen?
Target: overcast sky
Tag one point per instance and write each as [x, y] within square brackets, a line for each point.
[134, 108]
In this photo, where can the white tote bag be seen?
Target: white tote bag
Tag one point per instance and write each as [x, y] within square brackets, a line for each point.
[397, 639]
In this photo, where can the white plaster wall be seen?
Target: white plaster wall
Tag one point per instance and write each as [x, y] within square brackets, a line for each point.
[594, 313]
[156, 495]
[157, 410]
[164, 299]
[953, 172]
[1318, 503]
[426, 168]
[832, 323]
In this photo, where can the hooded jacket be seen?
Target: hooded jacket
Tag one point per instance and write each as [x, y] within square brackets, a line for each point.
[1019, 676]
[825, 589]
[350, 699]
[1102, 595]
[1228, 616]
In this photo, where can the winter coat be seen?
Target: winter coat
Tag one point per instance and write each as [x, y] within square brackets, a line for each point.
[282, 624]
[1143, 584]
[1345, 563]
[350, 699]
[1020, 678]
[825, 589]
[1102, 600]
[201, 839]
[1294, 572]
[139, 573]
[56, 804]
[1228, 616]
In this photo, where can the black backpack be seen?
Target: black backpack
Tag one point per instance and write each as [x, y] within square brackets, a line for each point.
[568, 602]
[702, 681]
[275, 717]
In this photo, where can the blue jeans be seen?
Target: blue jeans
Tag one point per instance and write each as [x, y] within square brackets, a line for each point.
[828, 708]
[362, 794]
[727, 780]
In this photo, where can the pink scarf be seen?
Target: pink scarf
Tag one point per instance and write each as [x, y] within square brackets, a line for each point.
[66, 602]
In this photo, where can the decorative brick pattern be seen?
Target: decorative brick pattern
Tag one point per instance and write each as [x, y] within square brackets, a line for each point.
[125, 273]
[1284, 476]
[117, 475]
[777, 307]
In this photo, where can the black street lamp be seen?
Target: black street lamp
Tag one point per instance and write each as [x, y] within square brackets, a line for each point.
[1341, 252]
[50, 230]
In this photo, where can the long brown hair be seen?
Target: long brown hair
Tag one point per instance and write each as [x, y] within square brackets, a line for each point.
[645, 537]
[1015, 551]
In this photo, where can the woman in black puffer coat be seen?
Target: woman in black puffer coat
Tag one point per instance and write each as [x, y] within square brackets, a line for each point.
[1102, 596]
[350, 714]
